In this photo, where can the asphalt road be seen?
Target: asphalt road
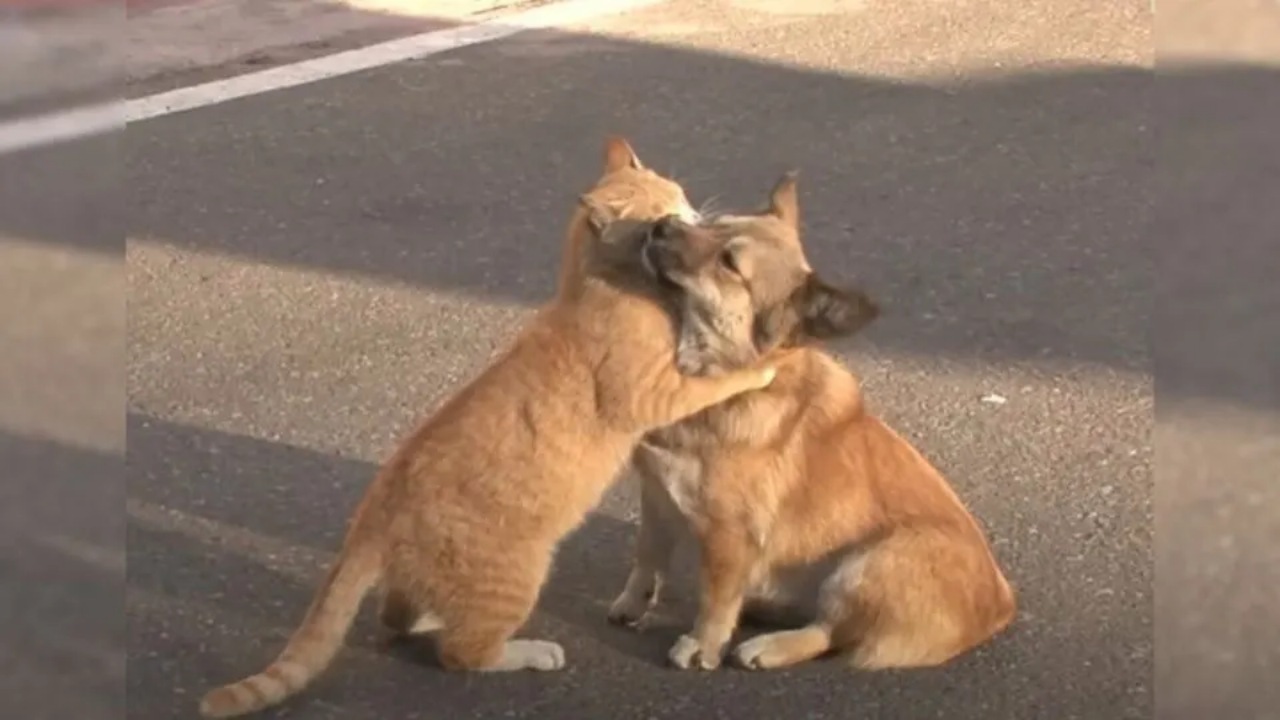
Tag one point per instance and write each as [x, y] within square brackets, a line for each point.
[313, 269]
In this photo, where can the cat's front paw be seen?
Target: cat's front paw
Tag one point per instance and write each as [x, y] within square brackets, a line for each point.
[767, 376]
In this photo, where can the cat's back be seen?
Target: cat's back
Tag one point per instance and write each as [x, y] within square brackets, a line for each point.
[521, 431]
[632, 325]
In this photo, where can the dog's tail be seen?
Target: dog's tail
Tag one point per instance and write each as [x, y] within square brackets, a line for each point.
[313, 645]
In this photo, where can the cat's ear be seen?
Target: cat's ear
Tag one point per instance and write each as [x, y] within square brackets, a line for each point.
[618, 155]
[598, 215]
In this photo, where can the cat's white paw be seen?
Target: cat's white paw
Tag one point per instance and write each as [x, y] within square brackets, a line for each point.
[532, 655]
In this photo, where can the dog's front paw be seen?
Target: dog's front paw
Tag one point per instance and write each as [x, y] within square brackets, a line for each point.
[688, 654]
[630, 611]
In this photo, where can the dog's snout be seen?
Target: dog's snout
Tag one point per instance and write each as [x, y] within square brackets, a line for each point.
[666, 229]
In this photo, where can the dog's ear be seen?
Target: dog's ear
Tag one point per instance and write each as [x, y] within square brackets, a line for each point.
[815, 311]
[827, 312]
[618, 155]
[598, 214]
[783, 201]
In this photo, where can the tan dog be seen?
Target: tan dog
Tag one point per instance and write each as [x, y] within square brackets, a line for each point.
[460, 525]
[810, 512]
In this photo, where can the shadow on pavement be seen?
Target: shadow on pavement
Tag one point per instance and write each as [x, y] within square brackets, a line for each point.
[1005, 218]
[1001, 219]
[224, 556]
[62, 566]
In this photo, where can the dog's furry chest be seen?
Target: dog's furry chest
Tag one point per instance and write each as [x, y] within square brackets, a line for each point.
[679, 456]
[707, 432]
[679, 470]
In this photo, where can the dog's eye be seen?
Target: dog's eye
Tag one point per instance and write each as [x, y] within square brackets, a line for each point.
[729, 262]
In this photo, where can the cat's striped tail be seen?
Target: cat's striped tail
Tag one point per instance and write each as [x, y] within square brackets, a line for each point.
[313, 644]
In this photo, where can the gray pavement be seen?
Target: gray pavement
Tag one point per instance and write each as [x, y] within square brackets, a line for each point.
[313, 269]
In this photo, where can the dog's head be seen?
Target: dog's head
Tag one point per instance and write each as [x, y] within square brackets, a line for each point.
[747, 286]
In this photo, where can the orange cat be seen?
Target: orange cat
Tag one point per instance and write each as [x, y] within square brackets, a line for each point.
[460, 525]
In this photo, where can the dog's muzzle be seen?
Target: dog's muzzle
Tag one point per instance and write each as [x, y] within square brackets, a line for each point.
[651, 258]
[655, 252]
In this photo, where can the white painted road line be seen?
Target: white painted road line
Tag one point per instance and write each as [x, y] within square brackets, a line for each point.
[61, 126]
[36, 131]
